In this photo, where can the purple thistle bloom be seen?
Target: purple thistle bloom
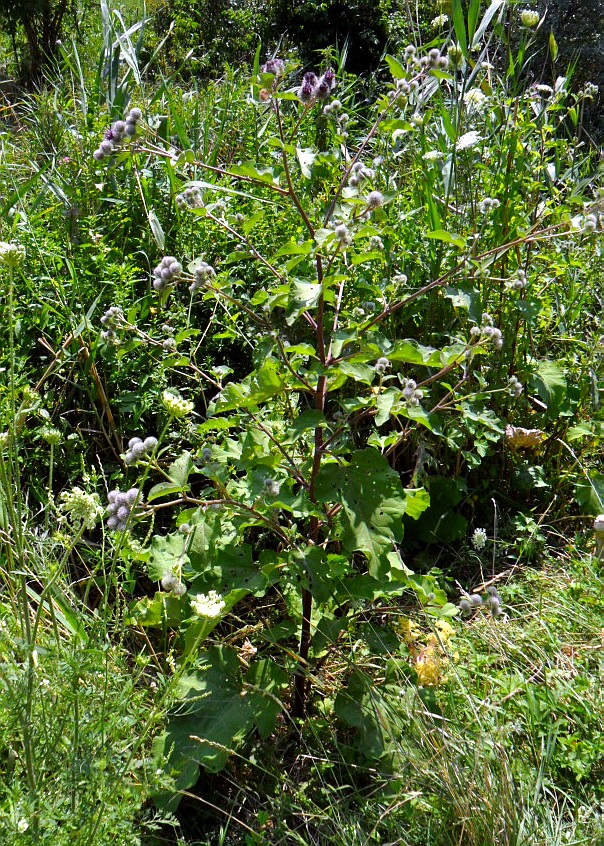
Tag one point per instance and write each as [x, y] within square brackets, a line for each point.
[306, 92]
[323, 90]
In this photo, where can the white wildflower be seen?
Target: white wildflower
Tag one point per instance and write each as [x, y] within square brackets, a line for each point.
[175, 405]
[208, 605]
[479, 539]
[83, 509]
[11, 255]
[468, 140]
[475, 100]
[438, 21]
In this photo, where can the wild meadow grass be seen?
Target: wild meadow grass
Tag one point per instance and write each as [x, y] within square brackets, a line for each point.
[301, 413]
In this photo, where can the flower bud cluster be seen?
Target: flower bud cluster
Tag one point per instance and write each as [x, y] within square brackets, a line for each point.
[491, 601]
[589, 91]
[175, 405]
[491, 332]
[166, 273]
[11, 255]
[529, 18]
[120, 508]
[203, 274]
[208, 605]
[120, 129]
[374, 200]
[376, 243]
[359, 174]
[412, 395]
[476, 100]
[274, 66]
[479, 539]
[191, 198]
[84, 509]
[590, 224]
[515, 387]
[272, 487]
[139, 449]
[316, 88]
[51, 435]
[382, 365]
[487, 205]
[454, 54]
[517, 282]
[172, 584]
[110, 321]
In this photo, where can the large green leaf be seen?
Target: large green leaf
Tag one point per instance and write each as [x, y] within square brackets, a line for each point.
[215, 709]
[373, 503]
[549, 382]
[210, 719]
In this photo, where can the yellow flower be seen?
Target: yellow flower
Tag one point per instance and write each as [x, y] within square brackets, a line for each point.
[409, 630]
[445, 630]
[430, 664]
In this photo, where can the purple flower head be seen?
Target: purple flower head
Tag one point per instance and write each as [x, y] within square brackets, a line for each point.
[310, 78]
[322, 91]
[306, 92]
[110, 135]
[330, 78]
[274, 66]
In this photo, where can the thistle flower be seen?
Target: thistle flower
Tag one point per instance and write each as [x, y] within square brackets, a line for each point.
[515, 388]
[204, 273]
[274, 66]
[343, 235]
[272, 487]
[382, 365]
[412, 395]
[175, 405]
[120, 508]
[166, 273]
[208, 605]
[376, 243]
[488, 204]
[374, 200]
[590, 224]
[139, 449]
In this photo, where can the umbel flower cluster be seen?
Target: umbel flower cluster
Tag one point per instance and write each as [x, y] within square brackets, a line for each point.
[120, 130]
[316, 87]
[139, 449]
[121, 505]
[82, 508]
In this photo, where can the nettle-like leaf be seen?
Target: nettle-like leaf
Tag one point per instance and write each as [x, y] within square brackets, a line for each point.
[373, 503]
[215, 709]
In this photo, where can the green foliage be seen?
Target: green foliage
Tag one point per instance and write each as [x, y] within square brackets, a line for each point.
[374, 353]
